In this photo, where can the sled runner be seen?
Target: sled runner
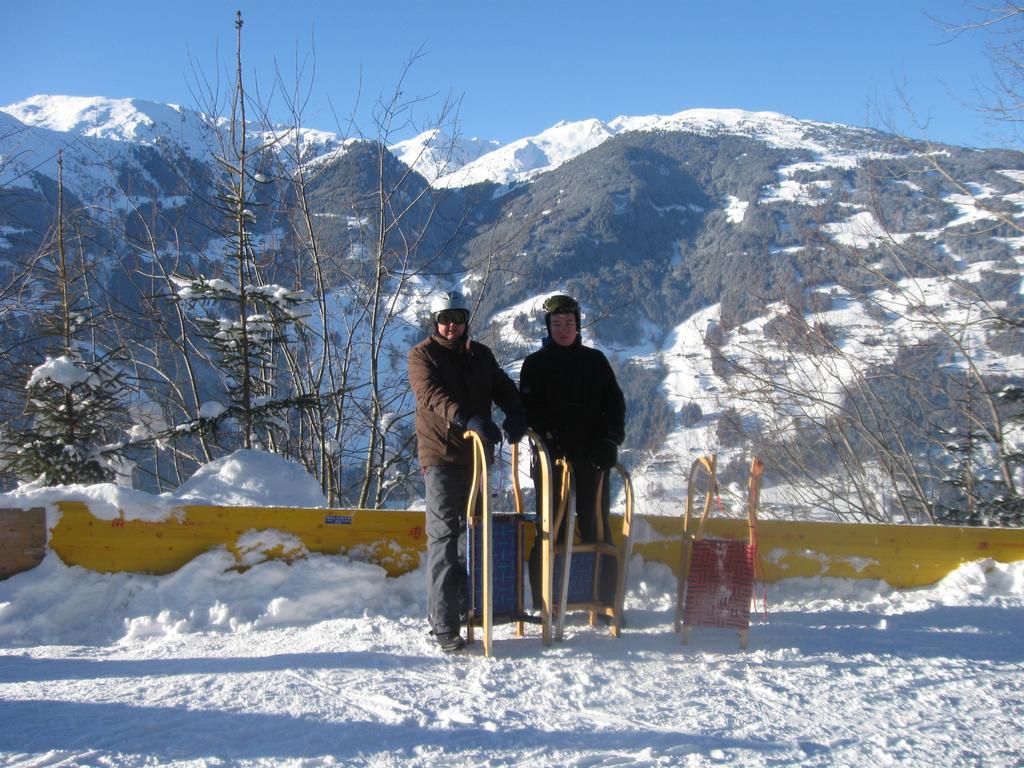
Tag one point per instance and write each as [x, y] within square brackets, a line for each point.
[545, 506]
[573, 569]
[716, 576]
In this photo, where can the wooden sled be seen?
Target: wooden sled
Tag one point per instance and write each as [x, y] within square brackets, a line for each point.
[716, 576]
[571, 572]
[495, 546]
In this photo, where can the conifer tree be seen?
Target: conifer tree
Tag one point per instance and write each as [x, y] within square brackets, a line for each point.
[244, 320]
[75, 406]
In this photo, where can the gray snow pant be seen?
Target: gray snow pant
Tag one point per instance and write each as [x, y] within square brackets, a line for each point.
[447, 492]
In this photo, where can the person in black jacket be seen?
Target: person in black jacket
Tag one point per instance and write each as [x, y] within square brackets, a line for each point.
[574, 403]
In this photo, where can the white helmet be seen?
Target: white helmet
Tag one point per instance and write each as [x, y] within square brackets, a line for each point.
[448, 300]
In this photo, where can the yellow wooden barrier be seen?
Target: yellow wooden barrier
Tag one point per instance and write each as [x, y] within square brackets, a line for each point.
[904, 556]
[392, 539]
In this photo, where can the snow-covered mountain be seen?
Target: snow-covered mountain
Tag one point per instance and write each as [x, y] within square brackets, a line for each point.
[664, 226]
[92, 132]
[443, 159]
[528, 157]
[131, 120]
[437, 156]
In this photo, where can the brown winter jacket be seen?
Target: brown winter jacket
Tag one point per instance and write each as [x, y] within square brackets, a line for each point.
[455, 377]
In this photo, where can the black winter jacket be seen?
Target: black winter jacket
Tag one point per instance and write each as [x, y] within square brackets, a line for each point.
[572, 399]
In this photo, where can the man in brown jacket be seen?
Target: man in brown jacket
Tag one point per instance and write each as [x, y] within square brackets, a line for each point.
[456, 382]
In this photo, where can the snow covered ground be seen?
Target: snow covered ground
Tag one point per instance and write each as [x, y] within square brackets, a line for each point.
[327, 662]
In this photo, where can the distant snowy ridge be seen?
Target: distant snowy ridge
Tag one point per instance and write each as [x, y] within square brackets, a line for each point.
[135, 120]
[435, 154]
[774, 128]
[524, 159]
[443, 160]
[94, 131]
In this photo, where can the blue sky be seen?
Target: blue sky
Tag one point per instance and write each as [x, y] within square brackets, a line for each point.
[522, 66]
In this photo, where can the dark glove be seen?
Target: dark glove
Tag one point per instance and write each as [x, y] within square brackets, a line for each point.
[486, 428]
[553, 445]
[606, 455]
[515, 428]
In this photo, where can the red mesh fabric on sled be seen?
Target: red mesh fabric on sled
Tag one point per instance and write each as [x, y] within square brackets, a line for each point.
[720, 584]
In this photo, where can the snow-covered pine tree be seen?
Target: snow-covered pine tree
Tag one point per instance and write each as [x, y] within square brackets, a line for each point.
[244, 320]
[1011, 510]
[981, 496]
[73, 423]
[72, 408]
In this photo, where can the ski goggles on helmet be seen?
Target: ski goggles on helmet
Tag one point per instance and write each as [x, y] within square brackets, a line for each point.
[560, 303]
[457, 316]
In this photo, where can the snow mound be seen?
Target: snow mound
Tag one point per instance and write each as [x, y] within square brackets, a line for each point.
[248, 478]
[56, 603]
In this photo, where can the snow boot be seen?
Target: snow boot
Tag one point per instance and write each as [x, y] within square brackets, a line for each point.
[450, 642]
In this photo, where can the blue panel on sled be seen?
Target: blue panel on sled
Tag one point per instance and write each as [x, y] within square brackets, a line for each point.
[506, 558]
[581, 577]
